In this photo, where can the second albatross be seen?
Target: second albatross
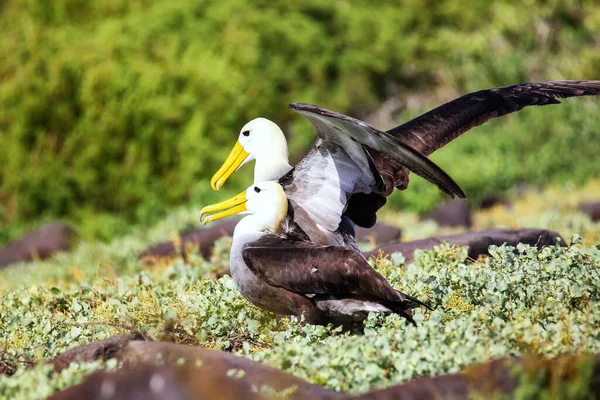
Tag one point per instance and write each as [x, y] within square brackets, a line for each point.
[276, 267]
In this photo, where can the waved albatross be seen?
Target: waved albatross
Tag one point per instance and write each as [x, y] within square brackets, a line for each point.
[276, 267]
[263, 140]
[340, 164]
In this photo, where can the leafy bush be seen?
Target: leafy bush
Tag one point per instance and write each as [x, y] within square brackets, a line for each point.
[535, 302]
[542, 302]
[128, 107]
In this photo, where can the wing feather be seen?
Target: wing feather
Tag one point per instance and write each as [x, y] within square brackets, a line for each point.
[335, 127]
[318, 188]
[445, 123]
[307, 268]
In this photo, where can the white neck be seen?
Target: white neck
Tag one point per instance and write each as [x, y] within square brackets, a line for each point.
[271, 169]
[271, 155]
[248, 224]
[255, 223]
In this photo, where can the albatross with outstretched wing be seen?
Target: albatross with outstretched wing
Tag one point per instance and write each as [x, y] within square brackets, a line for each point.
[338, 165]
[264, 141]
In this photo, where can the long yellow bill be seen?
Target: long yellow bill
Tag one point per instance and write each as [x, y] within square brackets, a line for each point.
[234, 205]
[231, 164]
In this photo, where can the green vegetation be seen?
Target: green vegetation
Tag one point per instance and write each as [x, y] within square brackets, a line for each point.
[536, 302]
[569, 378]
[111, 112]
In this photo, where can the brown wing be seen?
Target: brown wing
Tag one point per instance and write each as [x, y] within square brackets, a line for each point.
[441, 125]
[303, 267]
[337, 128]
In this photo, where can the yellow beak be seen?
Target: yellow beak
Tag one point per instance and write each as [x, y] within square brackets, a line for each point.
[231, 164]
[234, 205]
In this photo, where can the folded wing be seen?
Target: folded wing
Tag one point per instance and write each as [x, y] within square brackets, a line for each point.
[307, 268]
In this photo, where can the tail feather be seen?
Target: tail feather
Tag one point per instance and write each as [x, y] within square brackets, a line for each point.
[405, 308]
[417, 302]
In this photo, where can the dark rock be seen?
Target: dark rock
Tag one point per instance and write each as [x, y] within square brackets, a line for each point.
[41, 243]
[489, 378]
[143, 384]
[202, 238]
[498, 378]
[218, 365]
[378, 234]
[478, 242]
[591, 208]
[152, 370]
[196, 373]
[453, 387]
[101, 350]
[493, 200]
[452, 213]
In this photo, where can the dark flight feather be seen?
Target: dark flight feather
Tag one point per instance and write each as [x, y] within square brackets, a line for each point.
[445, 123]
[330, 124]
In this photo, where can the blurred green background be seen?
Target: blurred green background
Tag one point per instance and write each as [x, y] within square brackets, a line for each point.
[112, 112]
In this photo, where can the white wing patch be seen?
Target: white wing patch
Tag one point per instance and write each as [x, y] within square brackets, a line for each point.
[323, 182]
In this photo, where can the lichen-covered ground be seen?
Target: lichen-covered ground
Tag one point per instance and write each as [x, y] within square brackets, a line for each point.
[543, 302]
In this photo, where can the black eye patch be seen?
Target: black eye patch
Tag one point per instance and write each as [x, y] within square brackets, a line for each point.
[246, 133]
[256, 189]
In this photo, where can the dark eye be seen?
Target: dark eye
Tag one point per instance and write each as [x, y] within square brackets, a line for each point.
[246, 133]
[256, 189]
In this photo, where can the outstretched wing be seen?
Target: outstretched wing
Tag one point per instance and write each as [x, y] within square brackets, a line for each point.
[340, 164]
[307, 268]
[443, 124]
[332, 126]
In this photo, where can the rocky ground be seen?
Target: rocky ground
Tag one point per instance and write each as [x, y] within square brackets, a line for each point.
[173, 324]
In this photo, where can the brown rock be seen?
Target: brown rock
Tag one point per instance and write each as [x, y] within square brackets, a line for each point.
[591, 208]
[219, 366]
[452, 213]
[493, 200]
[478, 242]
[101, 350]
[378, 234]
[143, 384]
[490, 378]
[153, 370]
[202, 238]
[199, 380]
[41, 243]
[498, 378]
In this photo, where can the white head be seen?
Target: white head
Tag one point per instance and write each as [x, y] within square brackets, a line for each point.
[265, 202]
[261, 140]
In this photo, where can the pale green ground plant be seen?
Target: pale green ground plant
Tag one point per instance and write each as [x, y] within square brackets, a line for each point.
[532, 302]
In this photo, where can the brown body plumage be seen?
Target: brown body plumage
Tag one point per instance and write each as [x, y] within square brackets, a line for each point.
[346, 176]
[277, 267]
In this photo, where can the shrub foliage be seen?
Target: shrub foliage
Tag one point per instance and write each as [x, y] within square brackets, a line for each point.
[517, 301]
[128, 107]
